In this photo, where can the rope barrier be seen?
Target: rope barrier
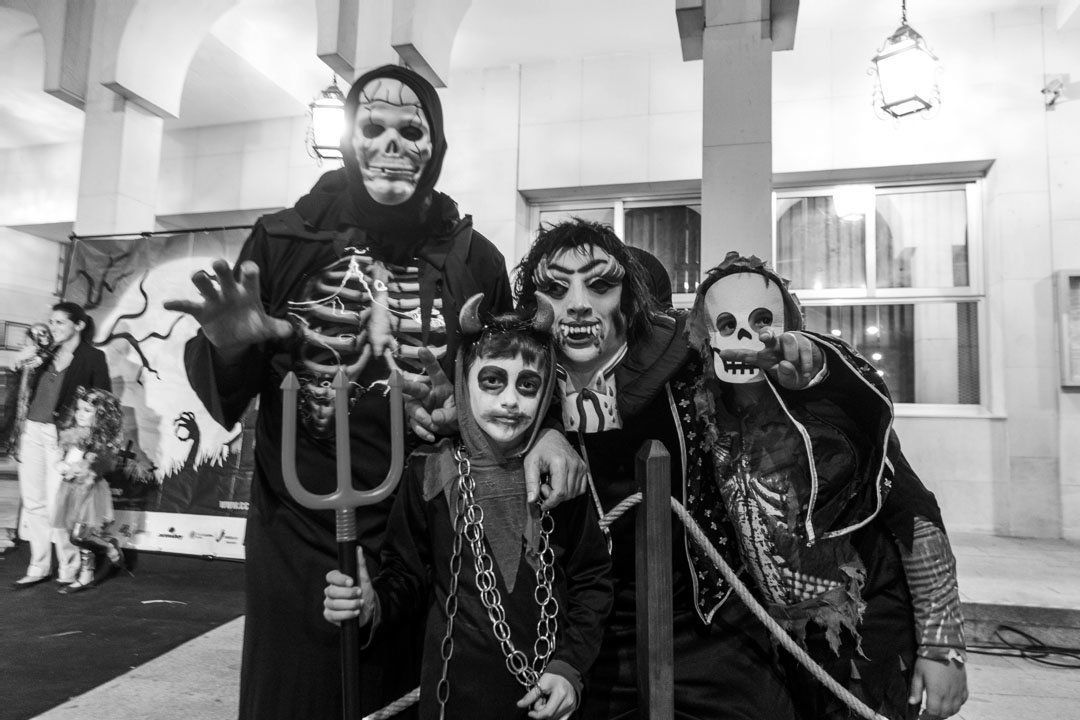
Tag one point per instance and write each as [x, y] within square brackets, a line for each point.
[395, 707]
[740, 589]
[760, 613]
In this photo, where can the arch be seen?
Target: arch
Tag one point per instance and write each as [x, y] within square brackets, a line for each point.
[423, 35]
[168, 32]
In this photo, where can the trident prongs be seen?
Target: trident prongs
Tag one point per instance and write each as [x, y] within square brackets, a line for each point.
[345, 497]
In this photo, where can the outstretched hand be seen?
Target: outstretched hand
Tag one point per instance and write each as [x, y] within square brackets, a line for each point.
[430, 405]
[553, 697]
[791, 359]
[344, 600]
[231, 312]
[944, 685]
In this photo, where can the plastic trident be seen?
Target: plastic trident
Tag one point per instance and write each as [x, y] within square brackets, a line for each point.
[343, 501]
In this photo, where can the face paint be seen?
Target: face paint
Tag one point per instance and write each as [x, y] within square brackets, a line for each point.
[584, 286]
[84, 413]
[391, 139]
[504, 396]
[739, 307]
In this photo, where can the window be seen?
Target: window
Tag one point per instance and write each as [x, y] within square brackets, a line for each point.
[670, 229]
[890, 270]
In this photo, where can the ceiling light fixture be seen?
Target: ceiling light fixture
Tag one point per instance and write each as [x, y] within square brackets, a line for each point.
[326, 123]
[905, 73]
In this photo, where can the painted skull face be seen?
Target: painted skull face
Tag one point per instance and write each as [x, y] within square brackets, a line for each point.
[584, 285]
[739, 307]
[504, 396]
[391, 139]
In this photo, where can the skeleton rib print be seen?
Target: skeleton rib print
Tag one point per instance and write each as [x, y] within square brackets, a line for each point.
[363, 316]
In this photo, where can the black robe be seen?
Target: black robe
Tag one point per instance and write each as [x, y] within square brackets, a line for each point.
[724, 663]
[416, 576]
[291, 666]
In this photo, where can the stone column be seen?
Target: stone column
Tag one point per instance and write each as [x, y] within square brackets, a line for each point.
[121, 155]
[735, 40]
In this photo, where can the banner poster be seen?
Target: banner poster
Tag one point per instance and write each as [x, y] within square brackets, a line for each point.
[182, 482]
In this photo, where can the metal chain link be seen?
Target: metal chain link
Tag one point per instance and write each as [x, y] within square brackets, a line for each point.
[469, 524]
[442, 690]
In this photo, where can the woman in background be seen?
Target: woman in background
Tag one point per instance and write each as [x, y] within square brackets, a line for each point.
[53, 384]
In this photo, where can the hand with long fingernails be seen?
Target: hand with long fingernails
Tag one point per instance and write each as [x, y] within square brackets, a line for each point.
[231, 312]
[430, 407]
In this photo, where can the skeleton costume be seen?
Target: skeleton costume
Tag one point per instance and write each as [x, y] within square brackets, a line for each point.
[364, 284]
[427, 556]
[843, 542]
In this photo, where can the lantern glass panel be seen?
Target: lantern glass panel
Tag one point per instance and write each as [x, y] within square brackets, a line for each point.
[326, 125]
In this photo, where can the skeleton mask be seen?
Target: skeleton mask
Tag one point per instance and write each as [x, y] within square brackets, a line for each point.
[739, 307]
[584, 286]
[392, 140]
[40, 335]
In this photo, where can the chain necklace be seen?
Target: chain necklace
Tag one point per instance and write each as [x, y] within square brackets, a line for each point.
[469, 526]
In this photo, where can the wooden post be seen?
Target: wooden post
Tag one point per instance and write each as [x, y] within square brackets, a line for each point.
[655, 657]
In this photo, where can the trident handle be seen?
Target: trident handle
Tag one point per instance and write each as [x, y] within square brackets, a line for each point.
[343, 501]
[345, 496]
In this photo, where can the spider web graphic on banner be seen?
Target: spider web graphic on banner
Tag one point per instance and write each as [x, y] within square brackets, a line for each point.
[183, 481]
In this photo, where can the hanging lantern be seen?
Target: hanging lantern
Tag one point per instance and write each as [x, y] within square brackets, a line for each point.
[906, 73]
[327, 123]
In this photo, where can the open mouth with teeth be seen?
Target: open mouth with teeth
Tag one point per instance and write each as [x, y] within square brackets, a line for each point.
[579, 334]
[393, 172]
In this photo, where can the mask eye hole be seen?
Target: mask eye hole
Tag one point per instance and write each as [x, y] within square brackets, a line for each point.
[412, 133]
[760, 318]
[372, 130]
[725, 324]
[552, 289]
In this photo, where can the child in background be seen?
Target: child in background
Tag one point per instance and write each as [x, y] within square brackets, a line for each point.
[89, 439]
[463, 540]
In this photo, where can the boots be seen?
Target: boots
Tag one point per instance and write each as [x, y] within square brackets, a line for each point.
[85, 579]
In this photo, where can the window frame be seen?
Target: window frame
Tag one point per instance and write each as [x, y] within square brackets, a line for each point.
[975, 291]
[969, 177]
[620, 206]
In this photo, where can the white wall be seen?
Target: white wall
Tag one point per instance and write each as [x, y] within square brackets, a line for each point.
[39, 184]
[29, 268]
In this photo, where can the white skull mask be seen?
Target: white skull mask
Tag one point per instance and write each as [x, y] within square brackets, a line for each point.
[392, 140]
[739, 307]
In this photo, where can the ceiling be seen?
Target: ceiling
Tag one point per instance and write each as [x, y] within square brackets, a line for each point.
[259, 59]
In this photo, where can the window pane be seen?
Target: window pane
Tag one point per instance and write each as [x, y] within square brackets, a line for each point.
[817, 250]
[927, 352]
[673, 234]
[922, 239]
[601, 215]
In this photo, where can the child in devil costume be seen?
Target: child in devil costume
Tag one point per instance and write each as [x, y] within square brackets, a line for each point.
[499, 574]
[841, 539]
[90, 437]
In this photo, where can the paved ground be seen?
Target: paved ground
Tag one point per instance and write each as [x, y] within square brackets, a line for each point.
[198, 681]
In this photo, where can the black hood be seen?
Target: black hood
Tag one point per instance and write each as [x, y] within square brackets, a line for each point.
[401, 221]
